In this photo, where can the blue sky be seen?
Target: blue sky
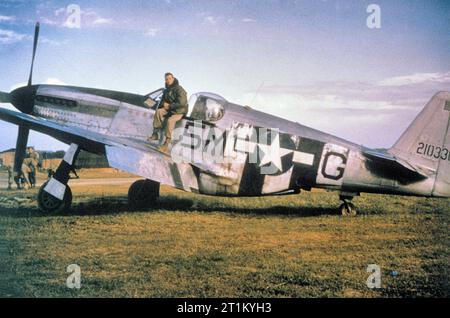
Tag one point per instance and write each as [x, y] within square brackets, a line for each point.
[315, 62]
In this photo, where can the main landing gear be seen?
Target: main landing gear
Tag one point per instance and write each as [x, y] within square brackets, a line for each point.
[143, 194]
[347, 208]
[51, 204]
[55, 195]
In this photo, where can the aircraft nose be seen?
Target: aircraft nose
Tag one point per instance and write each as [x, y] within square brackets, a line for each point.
[23, 98]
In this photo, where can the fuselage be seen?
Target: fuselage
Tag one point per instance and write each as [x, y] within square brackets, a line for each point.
[304, 158]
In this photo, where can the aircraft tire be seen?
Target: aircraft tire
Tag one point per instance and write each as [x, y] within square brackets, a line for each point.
[51, 205]
[143, 194]
[348, 209]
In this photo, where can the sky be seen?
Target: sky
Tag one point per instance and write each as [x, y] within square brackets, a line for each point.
[315, 62]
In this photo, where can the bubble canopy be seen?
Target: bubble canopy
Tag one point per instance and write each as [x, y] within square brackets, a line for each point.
[207, 106]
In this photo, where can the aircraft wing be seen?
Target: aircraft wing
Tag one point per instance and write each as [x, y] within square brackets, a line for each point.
[386, 160]
[93, 142]
[131, 155]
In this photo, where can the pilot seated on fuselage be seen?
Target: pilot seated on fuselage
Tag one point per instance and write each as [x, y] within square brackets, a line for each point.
[172, 108]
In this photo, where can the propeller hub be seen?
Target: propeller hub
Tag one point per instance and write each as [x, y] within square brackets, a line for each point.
[23, 98]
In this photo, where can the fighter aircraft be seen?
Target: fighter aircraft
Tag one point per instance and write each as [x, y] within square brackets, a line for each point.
[223, 148]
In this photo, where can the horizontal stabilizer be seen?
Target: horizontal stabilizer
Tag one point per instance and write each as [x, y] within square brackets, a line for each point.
[403, 167]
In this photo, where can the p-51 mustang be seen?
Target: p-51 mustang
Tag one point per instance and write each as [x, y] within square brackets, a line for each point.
[224, 149]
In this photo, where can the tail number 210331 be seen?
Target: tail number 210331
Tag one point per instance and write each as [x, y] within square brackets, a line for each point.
[433, 151]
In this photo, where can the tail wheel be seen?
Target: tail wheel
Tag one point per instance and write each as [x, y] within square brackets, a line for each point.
[143, 193]
[348, 209]
[50, 204]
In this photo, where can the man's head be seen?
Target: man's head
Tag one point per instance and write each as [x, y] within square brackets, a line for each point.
[30, 149]
[169, 79]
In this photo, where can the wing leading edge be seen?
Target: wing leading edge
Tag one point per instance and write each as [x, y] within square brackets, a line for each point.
[90, 141]
[130, 155]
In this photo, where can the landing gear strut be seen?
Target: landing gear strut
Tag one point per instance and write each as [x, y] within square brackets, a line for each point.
[143, 194]
[55, 195]
[347, 208]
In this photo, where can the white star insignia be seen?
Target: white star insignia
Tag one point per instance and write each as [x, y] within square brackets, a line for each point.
[273, 153]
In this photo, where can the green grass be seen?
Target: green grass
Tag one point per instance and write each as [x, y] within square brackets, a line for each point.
[199, 246]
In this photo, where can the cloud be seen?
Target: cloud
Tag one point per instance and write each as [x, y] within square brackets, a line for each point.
[151, 32]
[13, 3]
[10, 37]
[4, 18]
[62, 18]
[214, 20]
[373, 113]
[45, 40]
[102, 21]
[48, 21]
[417, 78]
[59, 11]
[210, 20]
[54, 81]
[91, 18]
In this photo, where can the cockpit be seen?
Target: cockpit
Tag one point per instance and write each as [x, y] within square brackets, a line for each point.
[207, 106]
[152, 99]
[202, 106]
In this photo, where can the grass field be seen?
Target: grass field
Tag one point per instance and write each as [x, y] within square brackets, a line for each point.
[199, 246]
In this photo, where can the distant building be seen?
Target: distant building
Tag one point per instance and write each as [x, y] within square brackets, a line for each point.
[7, 157]
[51, 160]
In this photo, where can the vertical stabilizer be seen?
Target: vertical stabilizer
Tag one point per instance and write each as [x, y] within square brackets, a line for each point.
[426, 142]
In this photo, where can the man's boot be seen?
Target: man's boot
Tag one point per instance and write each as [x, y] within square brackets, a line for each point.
[154, 136]
[165, 146]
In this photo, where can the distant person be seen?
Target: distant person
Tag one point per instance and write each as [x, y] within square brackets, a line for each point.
[25, 182]
[50, 173]
[33, 164]
[172, 107]
[10, 177]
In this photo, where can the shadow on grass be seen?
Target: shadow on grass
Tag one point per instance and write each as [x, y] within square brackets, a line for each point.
[113, 205]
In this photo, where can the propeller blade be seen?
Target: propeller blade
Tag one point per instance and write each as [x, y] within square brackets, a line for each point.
[21, 147]
[5, 97]
[36, 37]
